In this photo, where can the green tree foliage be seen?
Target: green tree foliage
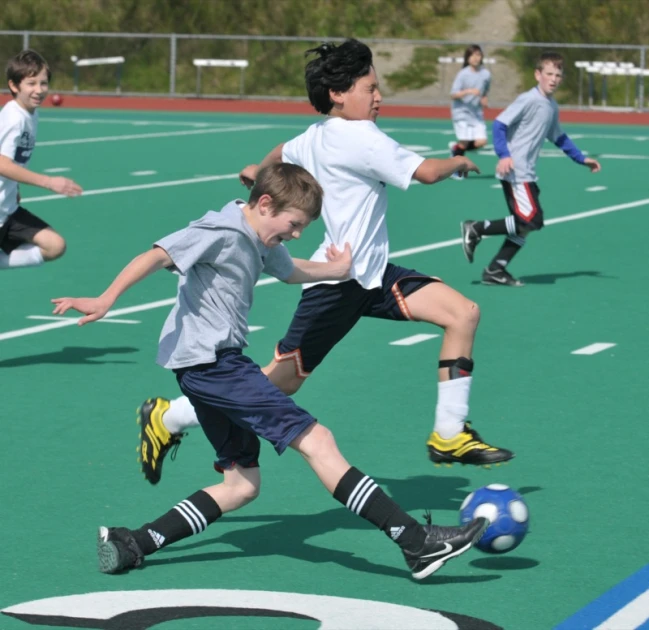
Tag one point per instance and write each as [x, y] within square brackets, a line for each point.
[275, 67]
[606, 22]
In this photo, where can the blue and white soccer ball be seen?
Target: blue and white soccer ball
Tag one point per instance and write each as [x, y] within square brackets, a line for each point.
[505, 510]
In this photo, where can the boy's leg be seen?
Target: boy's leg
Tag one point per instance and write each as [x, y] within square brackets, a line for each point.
[324, 315]
[452, 439]
[526, 215]
[408, 295]
[119, 548]
[425, 548]
[26, 241]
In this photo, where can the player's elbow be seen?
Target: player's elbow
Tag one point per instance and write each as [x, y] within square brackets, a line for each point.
[428, 172]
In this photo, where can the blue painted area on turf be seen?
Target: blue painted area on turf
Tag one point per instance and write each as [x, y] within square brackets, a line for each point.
[609, 603]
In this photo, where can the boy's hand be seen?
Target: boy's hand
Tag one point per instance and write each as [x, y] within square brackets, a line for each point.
[248, 175]
[92, 308]
[466, 166]
[64, 186]
[504, 166]
[342, 261]
[593, 165]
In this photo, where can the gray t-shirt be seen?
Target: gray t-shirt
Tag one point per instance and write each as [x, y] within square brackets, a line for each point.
[468, 108]
[219, 258]
[530, 119]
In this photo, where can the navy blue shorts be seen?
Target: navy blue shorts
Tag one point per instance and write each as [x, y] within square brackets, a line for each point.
[236, 405]
[327, 312]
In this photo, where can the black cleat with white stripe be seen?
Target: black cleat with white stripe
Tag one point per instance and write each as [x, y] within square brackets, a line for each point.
[442, 544]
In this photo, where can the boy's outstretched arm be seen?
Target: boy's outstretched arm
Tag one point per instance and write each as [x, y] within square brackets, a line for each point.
[138, 269]
[337, 268]
[433, 170]
[248, 174]
[571, 150]
[22, 175]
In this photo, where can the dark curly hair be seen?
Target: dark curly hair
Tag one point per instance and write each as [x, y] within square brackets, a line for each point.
[336, 68]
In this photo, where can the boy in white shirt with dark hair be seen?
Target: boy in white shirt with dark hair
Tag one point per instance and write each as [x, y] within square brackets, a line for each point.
[25, 239]
[354, 160]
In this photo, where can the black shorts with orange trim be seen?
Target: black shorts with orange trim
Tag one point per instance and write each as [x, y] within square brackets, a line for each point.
[523, 202]
[327, 312]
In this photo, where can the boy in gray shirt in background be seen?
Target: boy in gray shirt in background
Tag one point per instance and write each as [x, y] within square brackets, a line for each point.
[518, 134]
[219, 259]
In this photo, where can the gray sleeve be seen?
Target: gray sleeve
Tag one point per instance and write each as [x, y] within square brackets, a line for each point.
[515, 111]
[279, 263]
[457, 83]
[194, 244]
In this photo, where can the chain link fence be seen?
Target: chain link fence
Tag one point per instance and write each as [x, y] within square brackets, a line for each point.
[410, 71]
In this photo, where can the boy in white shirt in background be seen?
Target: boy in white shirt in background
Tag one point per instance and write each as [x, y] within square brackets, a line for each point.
[25, 239]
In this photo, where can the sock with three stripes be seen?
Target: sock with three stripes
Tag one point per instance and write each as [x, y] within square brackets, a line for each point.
[189, 517]
[360, 494]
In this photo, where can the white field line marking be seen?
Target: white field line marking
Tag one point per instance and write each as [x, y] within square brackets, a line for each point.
[106, 191]
[411, 341]
[254, 328]
[76, 319]
[594, 348]
[146, 136]
[399, 254]
[595, 188]
[142, 173]
[633, 615]
[61, 169]
[116, 121]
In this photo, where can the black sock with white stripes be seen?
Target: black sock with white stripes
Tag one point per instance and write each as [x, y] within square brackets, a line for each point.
[189, 517]
[360, 494]
[509, 249]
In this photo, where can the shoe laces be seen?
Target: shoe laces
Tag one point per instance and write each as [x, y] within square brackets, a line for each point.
[175, 442]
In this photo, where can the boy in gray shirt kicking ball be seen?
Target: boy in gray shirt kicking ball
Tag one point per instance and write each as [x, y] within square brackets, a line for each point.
[219, 259]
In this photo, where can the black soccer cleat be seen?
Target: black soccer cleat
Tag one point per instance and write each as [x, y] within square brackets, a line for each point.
[500, 276]
[155, 439]
[117, 550]
[467, 447]
[470, 238]
[442, 544]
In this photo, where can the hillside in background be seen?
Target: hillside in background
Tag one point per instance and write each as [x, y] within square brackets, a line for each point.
[409, 72]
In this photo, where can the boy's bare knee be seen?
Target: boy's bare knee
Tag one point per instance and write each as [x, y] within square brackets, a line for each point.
[54, 247]
[247, 491]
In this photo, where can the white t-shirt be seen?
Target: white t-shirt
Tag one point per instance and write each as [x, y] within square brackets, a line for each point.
[17, 139]
[353, 161]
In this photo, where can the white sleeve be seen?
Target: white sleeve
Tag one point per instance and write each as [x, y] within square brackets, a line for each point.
[457, 83]
[9, 137]
[293, 150]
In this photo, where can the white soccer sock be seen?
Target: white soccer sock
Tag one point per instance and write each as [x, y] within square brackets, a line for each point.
[180, 415]
[452, 406]
[26, 255]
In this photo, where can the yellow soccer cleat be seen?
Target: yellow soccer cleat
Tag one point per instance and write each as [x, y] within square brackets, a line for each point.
[466, 447]
[155, 440]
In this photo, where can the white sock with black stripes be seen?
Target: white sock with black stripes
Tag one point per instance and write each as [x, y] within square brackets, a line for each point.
[360, 494]
[189, 517]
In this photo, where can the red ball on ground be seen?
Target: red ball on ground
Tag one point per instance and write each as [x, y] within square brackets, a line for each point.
[57, 100]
